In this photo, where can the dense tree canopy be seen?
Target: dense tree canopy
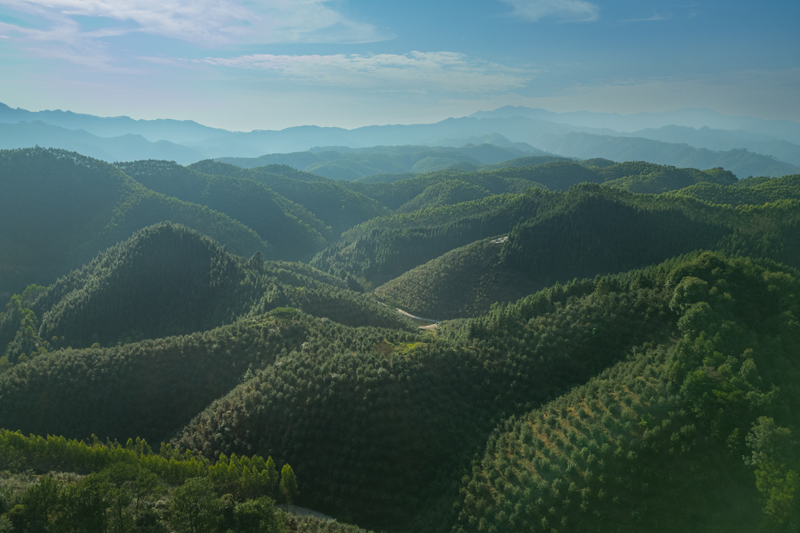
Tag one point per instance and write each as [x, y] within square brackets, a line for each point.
[617, 346]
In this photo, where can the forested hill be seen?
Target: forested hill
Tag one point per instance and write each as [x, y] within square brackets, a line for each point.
[336, 206]
[670, 439]
[169, 280]
[293, 231]
[411, 193]
[383, 248]
[587, 231]
[616, 348]
[83, 206]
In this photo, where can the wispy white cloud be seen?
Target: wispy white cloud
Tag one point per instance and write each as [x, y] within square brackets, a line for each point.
[563, 10]
[416, 71]
[61, 42]
[207, 23]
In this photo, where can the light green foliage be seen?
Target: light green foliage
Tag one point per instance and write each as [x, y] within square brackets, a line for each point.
[289, 488]
[776, 462]
[121, 489]
[194, 507]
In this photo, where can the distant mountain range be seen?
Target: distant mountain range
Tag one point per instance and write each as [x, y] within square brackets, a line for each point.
[689, 117]
[688, 137]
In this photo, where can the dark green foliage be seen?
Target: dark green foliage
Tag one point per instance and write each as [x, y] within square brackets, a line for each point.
[293, 231]
[336, 206]
[384, 248]
[144, 389]
[444, 193]
[85, 206]
[664, 178]
[769, 190]
[194, 507]
[598, 162]
[461, 283]
[19, 328]
[661, 399]
[148, 388]
[396, 194]
[169, 280]
[400, 414]
[595, 231]
[309, 524]
[587, 231]
[647, 445]
[289, 484]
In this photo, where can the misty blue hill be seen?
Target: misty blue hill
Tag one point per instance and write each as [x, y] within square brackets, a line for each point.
[177, 131]
[691, 117]
[126, 147]
[303, 138]
[555, 138]
[537, 128]
[722, 140]
[740, 161]
[345, 163]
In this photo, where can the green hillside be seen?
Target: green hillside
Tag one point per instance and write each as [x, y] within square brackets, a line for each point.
[460, 283]
[169, 280]
[669, 440]
[348, 164]
[741, 193]
[384, 248]
[336, 206]
[401, 414]
[152, 387]
[84, 206]
[447, 192]
[594, 230]
[293, 231]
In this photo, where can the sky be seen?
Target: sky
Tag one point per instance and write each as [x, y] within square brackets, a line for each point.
[272, 64]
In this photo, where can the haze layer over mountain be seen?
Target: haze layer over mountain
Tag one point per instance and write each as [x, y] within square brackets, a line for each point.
[749, 147]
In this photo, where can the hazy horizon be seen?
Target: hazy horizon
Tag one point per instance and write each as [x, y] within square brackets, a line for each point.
[243, 66]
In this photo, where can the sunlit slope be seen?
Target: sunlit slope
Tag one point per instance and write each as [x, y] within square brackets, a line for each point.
[293, 231]
[752, 191]
[59, 209]
[397, 194]
[461, 283]
[553, 236]
[447, 192]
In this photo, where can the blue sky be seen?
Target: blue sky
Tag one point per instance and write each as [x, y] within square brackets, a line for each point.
[270, 64]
